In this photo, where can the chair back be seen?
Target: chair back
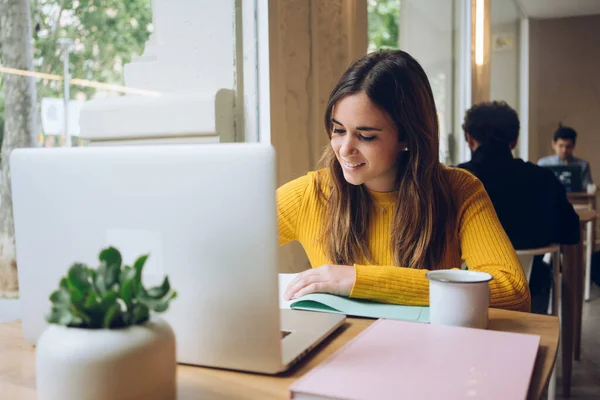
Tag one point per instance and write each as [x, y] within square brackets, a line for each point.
[526, 257]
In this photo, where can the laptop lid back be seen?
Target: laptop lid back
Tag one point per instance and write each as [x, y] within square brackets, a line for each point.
[205, 214]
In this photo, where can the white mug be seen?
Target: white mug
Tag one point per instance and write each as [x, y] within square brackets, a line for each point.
[591, 188]
[459, 298]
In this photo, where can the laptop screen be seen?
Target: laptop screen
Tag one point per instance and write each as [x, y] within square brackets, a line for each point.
[569, 176]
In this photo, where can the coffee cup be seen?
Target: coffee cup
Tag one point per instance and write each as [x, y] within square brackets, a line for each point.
[459, 298]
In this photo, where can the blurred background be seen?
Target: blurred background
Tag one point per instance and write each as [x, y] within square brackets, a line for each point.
[122, 72]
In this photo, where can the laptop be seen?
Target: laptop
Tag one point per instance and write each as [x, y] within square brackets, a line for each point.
[206, 214]
[569, 176]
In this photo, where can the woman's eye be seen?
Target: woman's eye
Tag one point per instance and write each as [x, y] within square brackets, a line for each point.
[338, 131]
[366, 138]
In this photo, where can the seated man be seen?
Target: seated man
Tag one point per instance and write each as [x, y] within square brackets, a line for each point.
[530, 202]
[564, 145]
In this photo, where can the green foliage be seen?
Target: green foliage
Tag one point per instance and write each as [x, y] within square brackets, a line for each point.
[106, 35]
[383, 16]
[111, 296]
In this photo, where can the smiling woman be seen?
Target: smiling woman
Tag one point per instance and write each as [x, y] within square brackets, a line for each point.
[383, 155]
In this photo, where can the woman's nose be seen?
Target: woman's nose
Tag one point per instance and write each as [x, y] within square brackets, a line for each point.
[348, 146]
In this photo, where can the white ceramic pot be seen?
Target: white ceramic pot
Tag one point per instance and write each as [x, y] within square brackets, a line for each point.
[459, 298]
[137, 362]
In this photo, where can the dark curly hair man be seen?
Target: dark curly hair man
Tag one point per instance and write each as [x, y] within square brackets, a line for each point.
[530, 202]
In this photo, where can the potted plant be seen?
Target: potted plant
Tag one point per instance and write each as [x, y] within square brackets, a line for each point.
[102, 343]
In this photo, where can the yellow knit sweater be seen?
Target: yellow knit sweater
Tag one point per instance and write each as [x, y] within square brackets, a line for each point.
[484, 245]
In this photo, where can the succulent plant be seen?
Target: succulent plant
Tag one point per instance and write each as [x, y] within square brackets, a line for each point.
[111, 296]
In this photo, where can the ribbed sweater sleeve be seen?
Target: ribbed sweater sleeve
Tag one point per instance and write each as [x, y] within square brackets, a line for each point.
[290, 199]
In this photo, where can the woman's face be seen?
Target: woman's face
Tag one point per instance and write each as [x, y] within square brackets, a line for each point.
[365, 142]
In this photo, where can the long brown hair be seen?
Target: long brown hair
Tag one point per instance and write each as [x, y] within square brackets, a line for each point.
[425, 213]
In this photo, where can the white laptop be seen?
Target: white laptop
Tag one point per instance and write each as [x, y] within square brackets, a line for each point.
[207, 216]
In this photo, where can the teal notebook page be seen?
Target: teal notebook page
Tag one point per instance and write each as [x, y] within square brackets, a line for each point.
[342, 305]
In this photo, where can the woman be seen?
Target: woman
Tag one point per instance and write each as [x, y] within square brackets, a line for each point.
[383, 210]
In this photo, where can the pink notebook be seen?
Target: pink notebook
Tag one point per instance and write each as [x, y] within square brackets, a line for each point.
[408, 360]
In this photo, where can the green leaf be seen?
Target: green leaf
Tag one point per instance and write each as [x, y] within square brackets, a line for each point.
[60, 298]
[159, 291]
[100, 281]
[96, 307]
[110, 256]
[161, 306]
[54, 316]
[79, 282]
[63, 316]
[75, 320]
[157, 305]
[81, 316]
[127, 273]
[102, 302]
[140, 314]
[79, 277]
[106, 277]
[139, 264]
[112, 275]
[128, 284]
[77, 296]
[111, 267]
[64, 284]
[127, 291]
[109, 298]
[91, 300]
[110, 315]
[67, 318]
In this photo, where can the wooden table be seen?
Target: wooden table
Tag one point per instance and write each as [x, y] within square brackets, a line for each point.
[586, 198]
[17, 362]
[572, 301]
[585, 216]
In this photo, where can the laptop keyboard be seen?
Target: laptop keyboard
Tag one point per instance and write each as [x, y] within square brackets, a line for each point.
[285, 333]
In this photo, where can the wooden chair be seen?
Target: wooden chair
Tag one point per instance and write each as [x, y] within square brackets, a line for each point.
[526, 258]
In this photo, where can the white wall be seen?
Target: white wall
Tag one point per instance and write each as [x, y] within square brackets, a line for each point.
[508, 75]
[504, 77]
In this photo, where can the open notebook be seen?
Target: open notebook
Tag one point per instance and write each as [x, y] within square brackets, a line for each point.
[343, 305]
[403, 360]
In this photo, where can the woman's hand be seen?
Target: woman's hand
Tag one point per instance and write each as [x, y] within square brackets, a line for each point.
[334, 279]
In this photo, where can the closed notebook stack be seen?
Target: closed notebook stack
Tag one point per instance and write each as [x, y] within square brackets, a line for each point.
[407, 360]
